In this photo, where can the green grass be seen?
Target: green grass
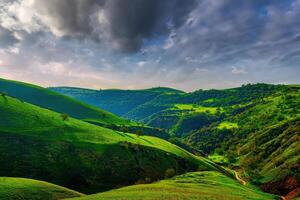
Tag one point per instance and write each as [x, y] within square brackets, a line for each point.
[218, 158]
[37, 143]
[211, 100]
[192, 108]
[54, 101]
[227, 125]
[28, 189]
[191, 186]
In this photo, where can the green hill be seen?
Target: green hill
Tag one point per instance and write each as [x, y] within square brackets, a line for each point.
[176, 111]
[261, 138]
[54, 101]
[41, 144]
[119, 102]
[197, 186]
[199, 109]
[28, 189]
[253, 128]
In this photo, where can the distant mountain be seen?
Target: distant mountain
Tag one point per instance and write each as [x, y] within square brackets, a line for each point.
[119, 102]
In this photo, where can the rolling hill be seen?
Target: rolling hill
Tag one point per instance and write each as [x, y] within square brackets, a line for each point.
[28, 189]
[175, 111]
[119, 102]
[54, 101]
[253, 129]
[196, 185]
[260, 138]
[41, 144]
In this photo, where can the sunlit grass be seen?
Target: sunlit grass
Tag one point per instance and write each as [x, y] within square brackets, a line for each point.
[193, 108]
[191, 186]
[227, 125]
[20, 188]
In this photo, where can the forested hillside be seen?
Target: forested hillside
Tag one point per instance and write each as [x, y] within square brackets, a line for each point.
[253, 129]
[116, 101]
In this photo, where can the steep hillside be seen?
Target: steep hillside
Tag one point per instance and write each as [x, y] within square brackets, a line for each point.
[261, 138]
[28, 189]
[54, 101]
[116, 101]
[196, 186]
[45, 145]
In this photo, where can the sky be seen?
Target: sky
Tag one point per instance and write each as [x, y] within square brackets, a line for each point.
[134, 44]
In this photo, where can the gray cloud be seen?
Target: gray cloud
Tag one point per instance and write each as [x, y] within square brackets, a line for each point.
[123, 24]
[229, 31]
[7, 38]
[182, 43]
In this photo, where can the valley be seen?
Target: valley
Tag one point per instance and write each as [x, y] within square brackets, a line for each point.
[239, 143]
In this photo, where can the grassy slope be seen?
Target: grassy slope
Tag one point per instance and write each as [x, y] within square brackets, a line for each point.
[191, 186]
[37, 143]
[54, 101]
[28, 189]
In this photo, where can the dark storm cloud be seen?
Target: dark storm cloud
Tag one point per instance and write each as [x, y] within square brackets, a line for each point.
[124, 23]
[69, 17]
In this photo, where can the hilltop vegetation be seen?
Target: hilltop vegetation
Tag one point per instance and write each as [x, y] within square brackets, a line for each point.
[41, 144]
[27, 189]
[197, 185]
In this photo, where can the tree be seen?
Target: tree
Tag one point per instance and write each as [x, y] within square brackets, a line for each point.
[3, 94]
[139, 133]
[64, 117]
[170, 173]
[124, 129]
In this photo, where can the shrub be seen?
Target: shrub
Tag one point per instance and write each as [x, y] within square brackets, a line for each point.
[201, 168]
[148, 180]
[143, 181]
[64, 117]
[170, 173]
[139, 133]
[124, 129]
[3, 94]
[125, 145]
